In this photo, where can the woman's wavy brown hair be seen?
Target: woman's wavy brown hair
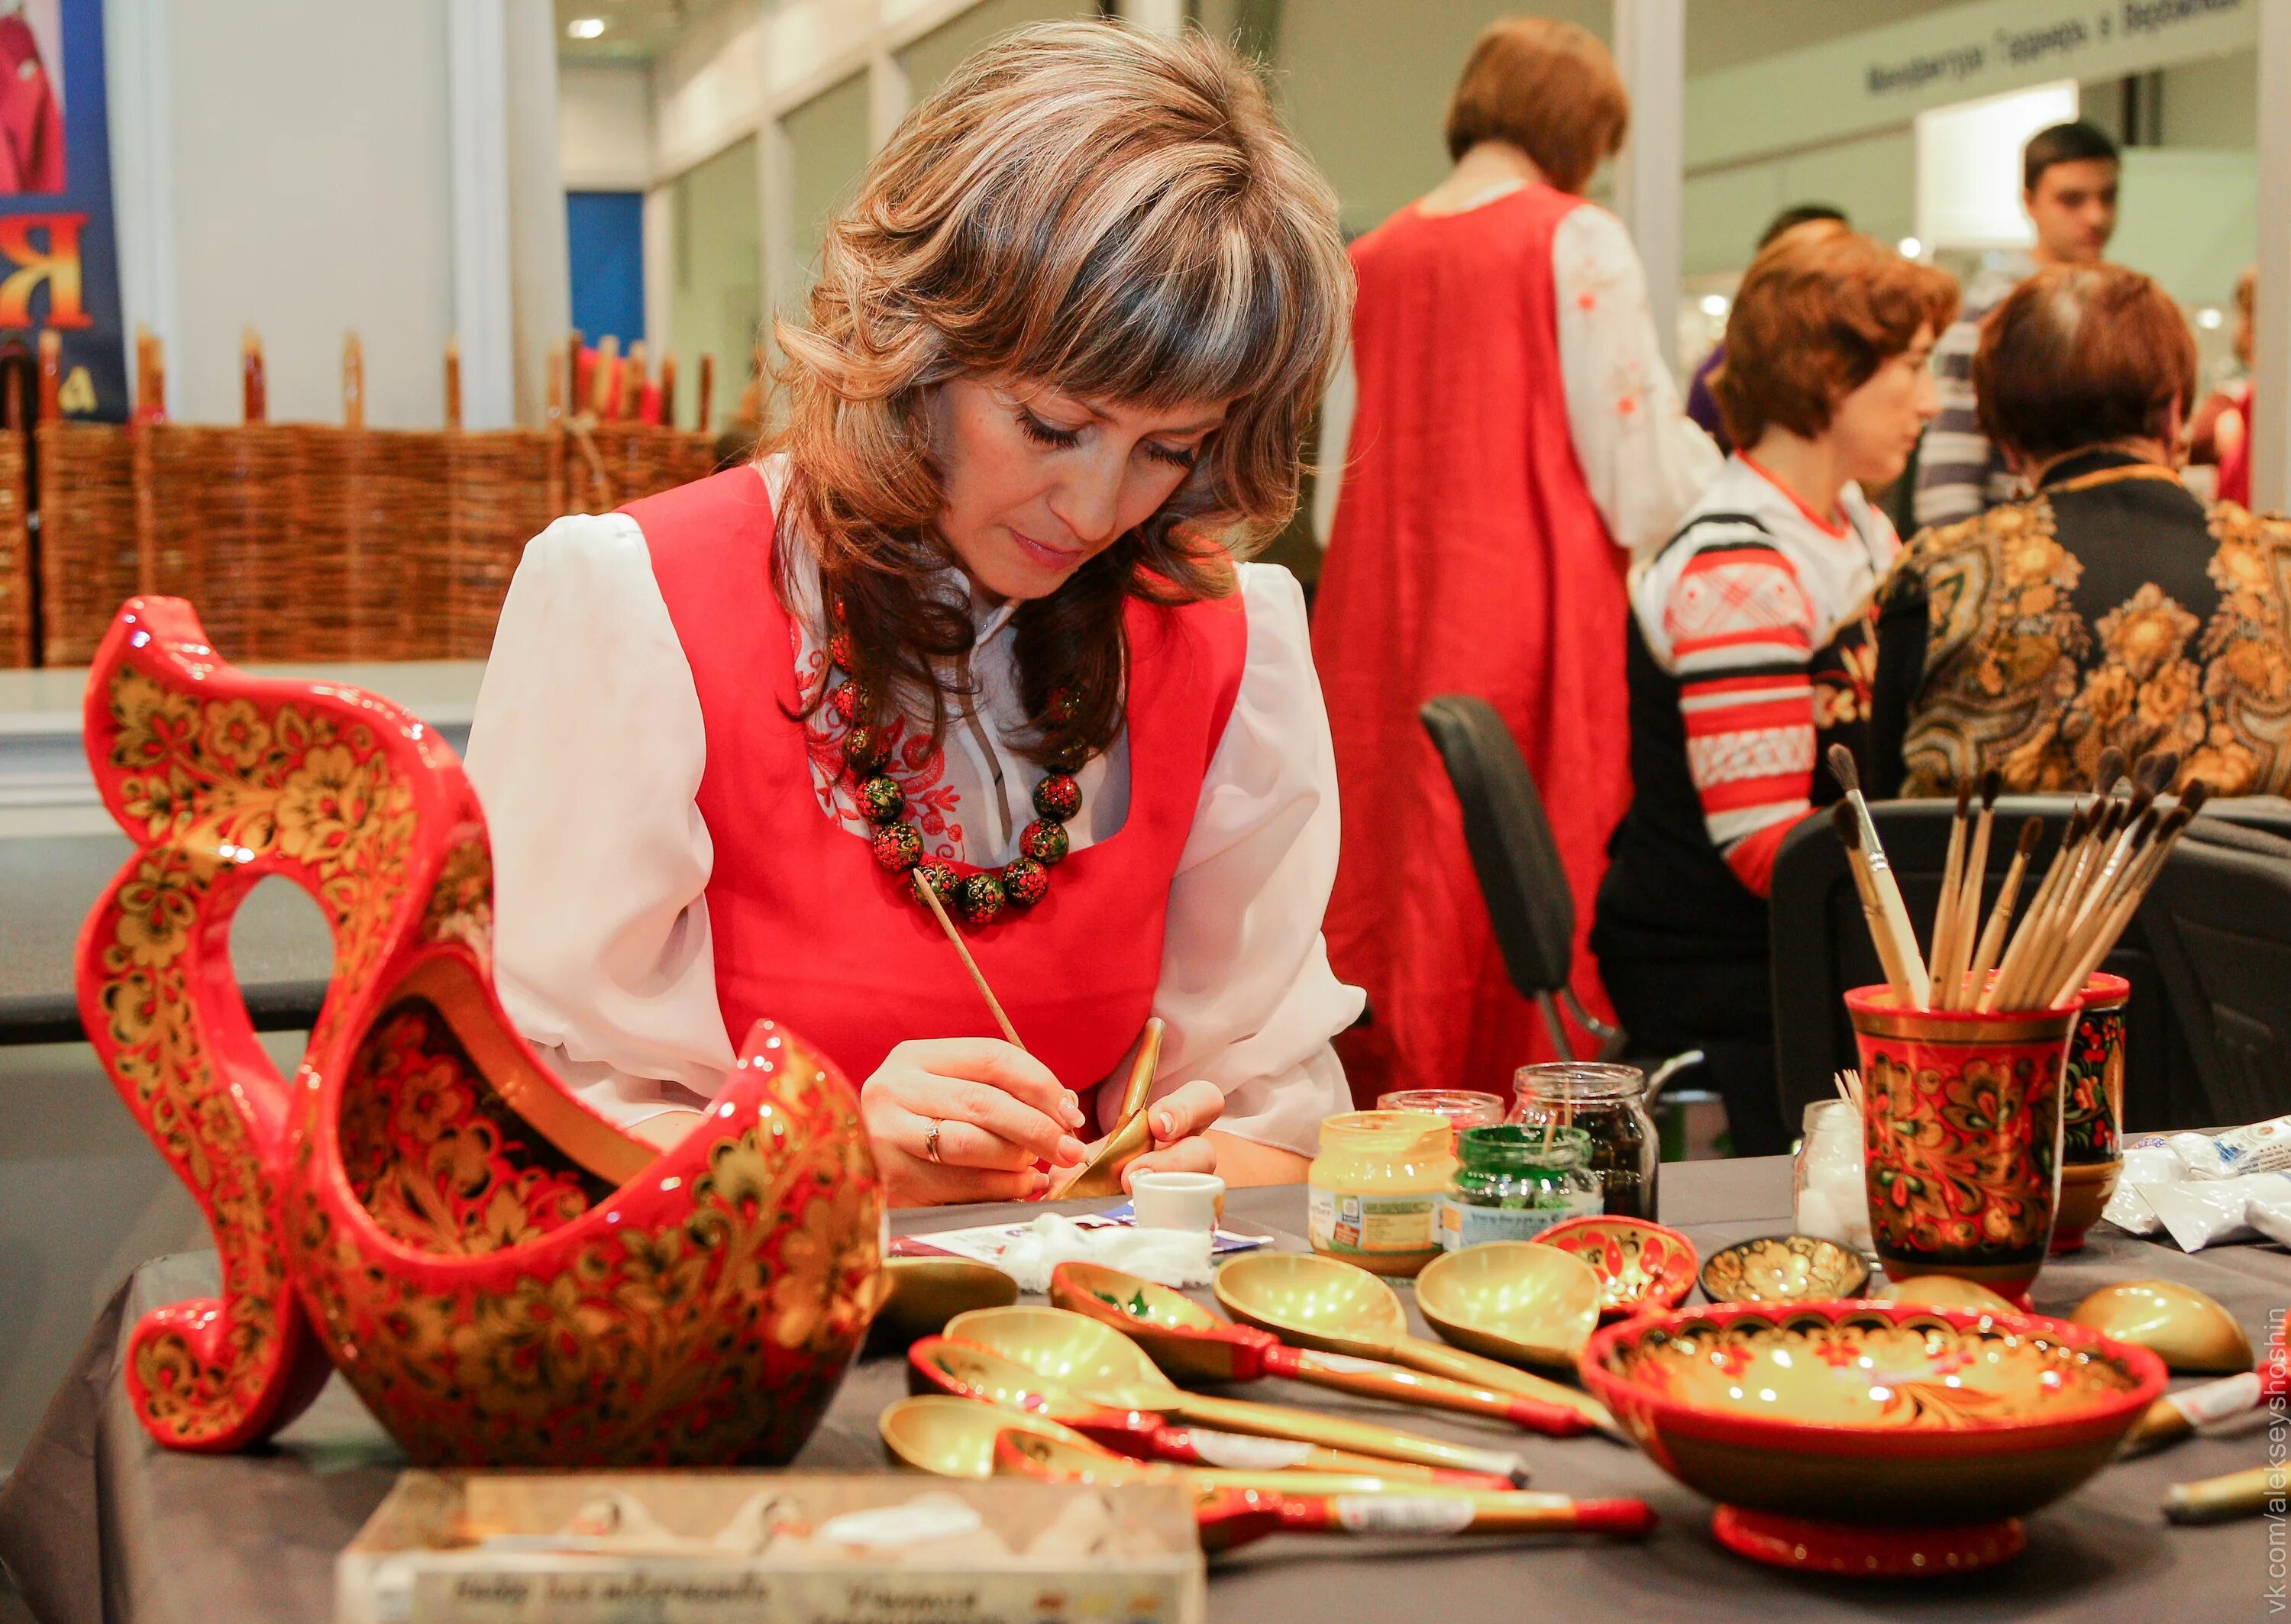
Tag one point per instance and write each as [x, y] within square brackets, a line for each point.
[1121, 217]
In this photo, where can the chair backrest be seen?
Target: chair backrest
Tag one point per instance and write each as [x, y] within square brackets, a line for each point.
[2218, 923]
[1510, 841]
[1820, 948]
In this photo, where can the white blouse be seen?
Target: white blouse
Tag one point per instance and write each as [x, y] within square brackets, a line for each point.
[587, 752]
[1643, 460]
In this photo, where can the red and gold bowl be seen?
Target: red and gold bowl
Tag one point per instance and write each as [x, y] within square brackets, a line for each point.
[1871, 1438]
[1642, 1268]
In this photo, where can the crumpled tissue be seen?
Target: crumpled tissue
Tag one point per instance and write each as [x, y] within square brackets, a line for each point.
[1166, 1257]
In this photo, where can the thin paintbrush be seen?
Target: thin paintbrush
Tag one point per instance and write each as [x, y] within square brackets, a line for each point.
[1895, 912]
[1873, 908]
[2101, 941]
[2023, 944]
[1969, 917]
[2000, 920]
[1946, 906]
[930, 894]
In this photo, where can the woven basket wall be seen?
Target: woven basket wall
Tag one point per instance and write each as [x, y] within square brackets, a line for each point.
[18, 635]
[606, 464]
[88, 563]
[306, 542]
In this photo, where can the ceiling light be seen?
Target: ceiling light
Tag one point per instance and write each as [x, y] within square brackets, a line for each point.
[585, 28]
[2209, 319]
[1911, 248]
[1714, 304]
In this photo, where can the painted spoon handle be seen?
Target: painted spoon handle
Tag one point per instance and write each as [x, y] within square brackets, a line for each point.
[1440, 1515]
[1457, 1365]
[1334, 1432]
[1202, 1446]
[1374, 1379]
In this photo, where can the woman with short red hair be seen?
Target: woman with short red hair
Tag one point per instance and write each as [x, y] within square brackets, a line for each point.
[1749, 648]
[1518, 440]
[2111, 607]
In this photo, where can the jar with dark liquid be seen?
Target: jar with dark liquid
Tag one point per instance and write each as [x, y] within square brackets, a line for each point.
[1609, 1103]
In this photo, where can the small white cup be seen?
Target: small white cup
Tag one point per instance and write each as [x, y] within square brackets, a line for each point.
[1178, 1201]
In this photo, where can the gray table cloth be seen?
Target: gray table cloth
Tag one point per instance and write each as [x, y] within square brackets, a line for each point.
[100, 1525]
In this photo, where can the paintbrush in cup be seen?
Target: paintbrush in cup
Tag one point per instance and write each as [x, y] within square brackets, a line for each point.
[1873, 909]
[2000, 918]
[1948, 904]
[1958, 985]
[1912, 992]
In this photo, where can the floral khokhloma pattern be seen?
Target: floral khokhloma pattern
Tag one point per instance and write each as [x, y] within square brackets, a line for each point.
[1881, 1371]
[1960, 1143]
[2091, 1105]
[505, 1279]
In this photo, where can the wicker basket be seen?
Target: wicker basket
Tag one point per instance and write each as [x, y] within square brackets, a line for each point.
[88, 564]
[17, 632]
[303, 541]
[503, 487]
[606, 464]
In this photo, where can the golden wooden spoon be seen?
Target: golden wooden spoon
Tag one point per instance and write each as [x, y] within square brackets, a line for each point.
[1099, 1365]
[1512, 1301]
[2191, 1333]
[971, 1371]
[1133, 1132]
[919, 1295]
[1948, 1291]
[1297, 1508]
[1321, 1303]
[1193, 1345]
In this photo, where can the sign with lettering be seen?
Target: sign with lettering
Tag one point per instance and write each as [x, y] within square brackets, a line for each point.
[1885, 76]
[59, 266]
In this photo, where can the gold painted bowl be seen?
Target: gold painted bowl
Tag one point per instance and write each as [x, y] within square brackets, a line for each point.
[1784, 1269]
[1642, 1268]
[1512, 1301]
[1871, 1438]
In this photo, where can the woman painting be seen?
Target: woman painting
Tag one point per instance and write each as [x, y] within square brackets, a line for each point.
[1749, 647]
[973, 619]
[1515, 439]
[2110, 608]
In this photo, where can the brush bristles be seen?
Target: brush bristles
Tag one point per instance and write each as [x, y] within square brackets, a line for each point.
[2110, 769]
[1964, 799]
[2192, 797]
[1844, 769]
[1848, 826]
[2031, 831]
[1992, 785]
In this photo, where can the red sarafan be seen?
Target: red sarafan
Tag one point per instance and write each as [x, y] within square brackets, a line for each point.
[504, 1277]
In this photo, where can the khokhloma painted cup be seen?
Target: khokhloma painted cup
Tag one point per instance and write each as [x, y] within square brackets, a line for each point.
[1961, 1121]
[2092, 1110]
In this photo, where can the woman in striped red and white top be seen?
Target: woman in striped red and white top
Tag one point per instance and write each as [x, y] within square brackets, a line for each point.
[1750, 646]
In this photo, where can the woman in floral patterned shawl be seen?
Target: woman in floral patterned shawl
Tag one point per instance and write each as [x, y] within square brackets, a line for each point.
[2109, 607]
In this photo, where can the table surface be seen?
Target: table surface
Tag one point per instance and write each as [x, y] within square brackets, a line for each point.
[98, 1524]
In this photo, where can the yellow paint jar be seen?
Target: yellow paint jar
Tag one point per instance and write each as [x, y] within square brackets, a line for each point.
[1373, 1192]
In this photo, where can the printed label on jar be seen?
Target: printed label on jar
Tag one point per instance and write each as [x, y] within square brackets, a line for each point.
[1462, 1225]
[1372, 1226]
[1427, 1514]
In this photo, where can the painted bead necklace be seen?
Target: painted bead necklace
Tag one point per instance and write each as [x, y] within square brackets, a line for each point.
[976, 898]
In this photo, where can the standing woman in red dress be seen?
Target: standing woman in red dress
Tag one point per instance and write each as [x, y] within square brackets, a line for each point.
[1516, 440]
[977, 611]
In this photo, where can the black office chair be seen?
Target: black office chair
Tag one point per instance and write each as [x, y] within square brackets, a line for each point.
[2218, 923]
[1820, 948]
[1520, 874]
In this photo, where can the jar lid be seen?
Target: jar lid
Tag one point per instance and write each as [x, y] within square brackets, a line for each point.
[1577, 1080]
[1387, 1130]
[1520, 1147]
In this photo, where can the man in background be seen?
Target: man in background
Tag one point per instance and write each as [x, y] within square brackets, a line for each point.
[2068, 185]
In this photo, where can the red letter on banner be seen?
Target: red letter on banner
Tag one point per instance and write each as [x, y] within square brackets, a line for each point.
[57, 265]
